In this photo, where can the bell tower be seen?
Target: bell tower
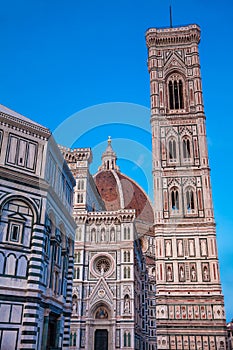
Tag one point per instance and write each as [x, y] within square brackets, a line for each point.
[190, 307]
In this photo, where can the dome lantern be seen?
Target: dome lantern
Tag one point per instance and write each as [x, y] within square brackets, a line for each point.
[109, 158]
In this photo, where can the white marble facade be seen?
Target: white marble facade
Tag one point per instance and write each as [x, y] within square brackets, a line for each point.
[109, 268]
[36, 237]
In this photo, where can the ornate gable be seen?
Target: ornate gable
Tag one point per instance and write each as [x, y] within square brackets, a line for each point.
[174, 62]
[101, 292]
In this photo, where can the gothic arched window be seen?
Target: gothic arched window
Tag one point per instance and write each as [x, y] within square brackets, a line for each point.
[80, 198]
[77, 257]
[175, 92]
[172, 150]
[126, 233]
[174, 199]
[77, 273]
[75, 339]
[127, 272]
[127, 339]
[78, 234]
[126, 256]
[190, 199]
[186, 148]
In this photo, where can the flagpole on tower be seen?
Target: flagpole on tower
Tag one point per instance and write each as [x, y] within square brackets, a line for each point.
[170, 16]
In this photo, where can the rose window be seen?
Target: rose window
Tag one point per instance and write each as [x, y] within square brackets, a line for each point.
[102, 265]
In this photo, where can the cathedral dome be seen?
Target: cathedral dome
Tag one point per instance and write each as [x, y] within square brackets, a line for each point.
[119, 191]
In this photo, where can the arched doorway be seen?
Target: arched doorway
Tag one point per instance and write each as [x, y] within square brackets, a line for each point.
[101, 339]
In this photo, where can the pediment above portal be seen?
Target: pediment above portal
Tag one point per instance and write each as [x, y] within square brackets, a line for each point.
[101, 293]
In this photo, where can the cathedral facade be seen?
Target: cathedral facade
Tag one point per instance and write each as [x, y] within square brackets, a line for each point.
[145, 276]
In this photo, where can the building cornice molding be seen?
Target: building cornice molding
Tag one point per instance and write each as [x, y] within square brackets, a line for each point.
[105, 217]
[24, 126]
[164, 37]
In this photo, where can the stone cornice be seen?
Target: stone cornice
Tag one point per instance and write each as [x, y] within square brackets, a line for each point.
[24, 126]
[107, 217]
[163, 37]
[23, 177]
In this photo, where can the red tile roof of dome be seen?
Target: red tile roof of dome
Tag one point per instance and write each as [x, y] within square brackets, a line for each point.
[118, 191]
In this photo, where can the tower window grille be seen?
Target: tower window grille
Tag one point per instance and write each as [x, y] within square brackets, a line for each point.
[186, 148]
[175, 199]
[190, 199]
[176, 96]
[172, 150]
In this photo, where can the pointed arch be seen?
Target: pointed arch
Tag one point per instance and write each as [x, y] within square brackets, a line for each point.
[175, 91]
[174, 199]
[186, 147]
[172, 149]
[100, 304]
[190, 200]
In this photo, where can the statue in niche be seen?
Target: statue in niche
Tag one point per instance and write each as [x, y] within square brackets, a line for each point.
[112, 235]
[181, 271]
[193, 274]
[74, 304]
[180, 247]
[101, 313]
[169, 273]
[205, 274]
[168, 248]
[102, 235]
[153, 271]
[74, 308]
[203, 247]
[126, 304]
[93, 236]
[191, 247]
[102, 268]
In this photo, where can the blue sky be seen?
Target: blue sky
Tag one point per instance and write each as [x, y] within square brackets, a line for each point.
[60, 57]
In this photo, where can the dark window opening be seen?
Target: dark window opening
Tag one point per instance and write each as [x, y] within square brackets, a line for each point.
[15, 229]
[186, 149]
[171, 95]
[175, 199]
[190, 200]
[176, 96]
[172, 149]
